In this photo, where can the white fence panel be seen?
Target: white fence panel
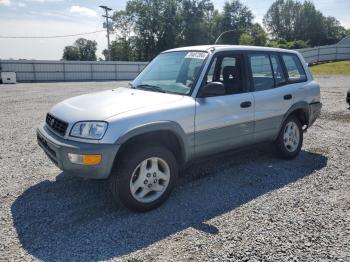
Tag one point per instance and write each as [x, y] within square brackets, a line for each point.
[37, 70]
[325, 53]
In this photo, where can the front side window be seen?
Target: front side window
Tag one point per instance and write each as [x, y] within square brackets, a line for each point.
[174, 72]
[262, 74]
[294, 68]
[227, 70]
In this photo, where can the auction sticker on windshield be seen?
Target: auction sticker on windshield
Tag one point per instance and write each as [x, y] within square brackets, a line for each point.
[196, 55]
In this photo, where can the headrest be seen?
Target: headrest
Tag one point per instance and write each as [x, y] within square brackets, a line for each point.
[229, 73]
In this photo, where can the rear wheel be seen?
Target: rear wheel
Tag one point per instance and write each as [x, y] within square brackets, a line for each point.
[290, 139]
[144, 178]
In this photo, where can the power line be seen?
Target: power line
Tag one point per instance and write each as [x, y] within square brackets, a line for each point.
[53, 36]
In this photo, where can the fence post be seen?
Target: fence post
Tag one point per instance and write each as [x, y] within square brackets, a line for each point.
[116, 71]
[34, 71]
[92, 76]
[318, 54]
[336, 53]
[64, 71]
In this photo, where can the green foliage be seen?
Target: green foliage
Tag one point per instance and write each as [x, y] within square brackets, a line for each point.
[259, 35]
[71, 53]
[292, 20]
[148, 27]
[237, 18]
[280, 19]
[246, 39]
[282, 43]
[195, 17]
[83, 50]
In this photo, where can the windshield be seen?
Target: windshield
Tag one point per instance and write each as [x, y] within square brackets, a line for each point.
[174, 72]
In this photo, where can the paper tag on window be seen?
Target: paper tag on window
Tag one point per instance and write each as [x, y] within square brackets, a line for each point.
[196, 55]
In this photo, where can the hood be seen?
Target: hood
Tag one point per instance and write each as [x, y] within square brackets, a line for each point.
[102, 105]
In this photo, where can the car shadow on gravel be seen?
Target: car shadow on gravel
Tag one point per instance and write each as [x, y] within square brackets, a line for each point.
[75, 219]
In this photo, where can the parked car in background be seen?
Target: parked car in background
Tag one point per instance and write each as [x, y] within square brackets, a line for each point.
[187, 103]
[348, 97]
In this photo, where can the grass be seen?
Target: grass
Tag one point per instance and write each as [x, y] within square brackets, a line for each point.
[336, 68]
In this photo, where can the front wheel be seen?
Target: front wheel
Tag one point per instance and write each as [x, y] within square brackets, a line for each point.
[290, 139]
[144, 178]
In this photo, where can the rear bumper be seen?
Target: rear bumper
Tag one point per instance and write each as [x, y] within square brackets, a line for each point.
[315, 110]
[57, 149]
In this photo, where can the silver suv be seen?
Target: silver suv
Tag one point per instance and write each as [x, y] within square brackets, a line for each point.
[187, 103]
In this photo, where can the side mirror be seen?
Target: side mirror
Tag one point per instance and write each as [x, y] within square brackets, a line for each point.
[213, 89]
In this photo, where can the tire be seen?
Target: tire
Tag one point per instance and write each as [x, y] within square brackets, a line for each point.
[289, 143]
[145, 168]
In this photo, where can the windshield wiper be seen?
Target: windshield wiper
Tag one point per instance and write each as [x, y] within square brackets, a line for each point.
[151, 88]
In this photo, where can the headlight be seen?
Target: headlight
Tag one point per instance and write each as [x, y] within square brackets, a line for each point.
[89, 130]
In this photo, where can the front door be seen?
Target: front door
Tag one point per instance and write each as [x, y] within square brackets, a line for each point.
[226, 121]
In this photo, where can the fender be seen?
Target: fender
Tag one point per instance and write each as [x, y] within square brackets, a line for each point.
[298, 105]
[173, 127]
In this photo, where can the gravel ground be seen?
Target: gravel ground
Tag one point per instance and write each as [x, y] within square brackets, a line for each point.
[238, 206]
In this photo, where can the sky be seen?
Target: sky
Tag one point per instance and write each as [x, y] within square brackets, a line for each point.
[60, 17]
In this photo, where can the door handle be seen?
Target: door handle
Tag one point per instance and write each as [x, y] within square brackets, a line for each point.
[246, 104]
[287, 97]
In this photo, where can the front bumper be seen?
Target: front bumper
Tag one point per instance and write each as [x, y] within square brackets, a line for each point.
[57, 149]
[315, 110]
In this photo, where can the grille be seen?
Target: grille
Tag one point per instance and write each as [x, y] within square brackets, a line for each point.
[57, 125]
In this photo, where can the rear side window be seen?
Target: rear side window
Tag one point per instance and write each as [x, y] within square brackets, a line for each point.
[294, 68]
[261, 72]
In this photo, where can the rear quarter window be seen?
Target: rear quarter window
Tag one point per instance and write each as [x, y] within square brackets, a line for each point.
[295, 70]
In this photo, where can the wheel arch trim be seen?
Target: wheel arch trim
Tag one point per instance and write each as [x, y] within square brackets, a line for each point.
[170, 126]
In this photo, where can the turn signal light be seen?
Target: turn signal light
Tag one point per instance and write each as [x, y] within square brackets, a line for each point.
[88, 160]
[91, 159]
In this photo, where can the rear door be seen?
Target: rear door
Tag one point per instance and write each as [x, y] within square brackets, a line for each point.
[226, 121]
[272, 94]
[296, 76]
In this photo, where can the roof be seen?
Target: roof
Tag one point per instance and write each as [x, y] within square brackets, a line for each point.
[227, 48]
[344, 41]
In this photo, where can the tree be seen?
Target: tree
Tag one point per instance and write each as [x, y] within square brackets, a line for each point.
[87, 49]
[195, 17]
[309, 24]
[82, 49]
[246, 39]
[71, 53]
[259, 35]
[334, 31]
[155, 26]
[292, 21]
[123, 47]
[280, 19]
[237, 18]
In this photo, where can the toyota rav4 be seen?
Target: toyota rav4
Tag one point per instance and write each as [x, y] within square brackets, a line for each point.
[187, 103]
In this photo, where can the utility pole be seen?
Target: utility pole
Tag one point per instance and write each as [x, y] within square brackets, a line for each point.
[107, 9]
